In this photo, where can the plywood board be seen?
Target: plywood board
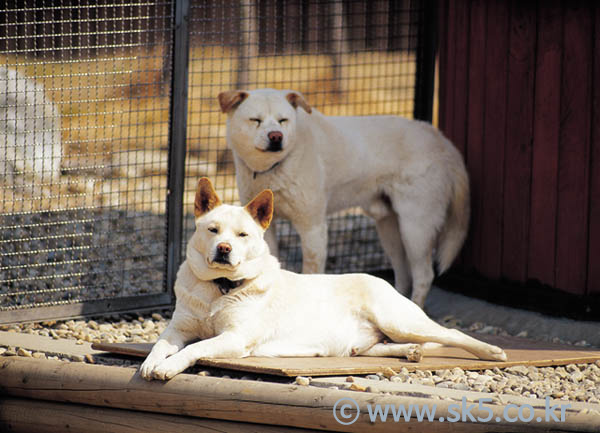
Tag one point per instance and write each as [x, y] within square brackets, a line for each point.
[520, 351]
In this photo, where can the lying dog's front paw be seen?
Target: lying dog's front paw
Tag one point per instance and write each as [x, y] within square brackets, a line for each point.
[147, 367]
[169, 368]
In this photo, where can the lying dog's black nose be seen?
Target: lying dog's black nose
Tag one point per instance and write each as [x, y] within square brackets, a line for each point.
[275, 141]
[223, 250]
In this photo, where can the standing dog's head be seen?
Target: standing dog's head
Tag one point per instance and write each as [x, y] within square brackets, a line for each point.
[261, 124]
[227, 236]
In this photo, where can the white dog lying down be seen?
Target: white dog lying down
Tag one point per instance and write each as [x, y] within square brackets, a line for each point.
[233, 296]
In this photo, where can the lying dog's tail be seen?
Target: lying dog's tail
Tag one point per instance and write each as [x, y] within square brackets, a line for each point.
[453, 233]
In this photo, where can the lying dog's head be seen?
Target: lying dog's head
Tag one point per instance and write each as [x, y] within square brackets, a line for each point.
[227, 236]
[261, 124]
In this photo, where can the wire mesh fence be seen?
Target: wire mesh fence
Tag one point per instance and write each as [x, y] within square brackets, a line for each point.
[84, 111]
[94, 206]
[346, 57]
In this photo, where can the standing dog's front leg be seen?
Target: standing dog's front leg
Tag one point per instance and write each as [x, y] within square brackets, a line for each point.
[226, 345]
[314, 246]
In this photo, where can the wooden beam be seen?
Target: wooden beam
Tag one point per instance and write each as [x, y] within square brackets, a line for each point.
[20, 415]
[241, 400]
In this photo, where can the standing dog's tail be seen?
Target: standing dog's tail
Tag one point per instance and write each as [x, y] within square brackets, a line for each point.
[453, 233]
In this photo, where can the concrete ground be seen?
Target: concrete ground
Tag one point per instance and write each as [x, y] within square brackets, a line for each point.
[441, 303]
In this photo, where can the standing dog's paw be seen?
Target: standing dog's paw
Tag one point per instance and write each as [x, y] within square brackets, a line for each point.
[415, 353]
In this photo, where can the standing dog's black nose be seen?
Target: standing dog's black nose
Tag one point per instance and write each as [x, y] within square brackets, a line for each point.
[275, 141]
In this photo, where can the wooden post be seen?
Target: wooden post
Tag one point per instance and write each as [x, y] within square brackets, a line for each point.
[248, 42]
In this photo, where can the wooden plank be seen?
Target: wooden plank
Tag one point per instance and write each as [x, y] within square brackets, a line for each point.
[492, 189]
[475, 125]
[460, 61]
[519, 136]
[357, 25]
[244, 400]
[447, 89]
[593, 279]
[573, 169]
[546, 132]
[442, 63]
[520, 351]
[25, 416]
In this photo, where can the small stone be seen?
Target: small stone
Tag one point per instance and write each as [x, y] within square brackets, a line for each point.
[203, 373]
[24, 352]
[349, 379]
[487, 330]
[576, 376]
[522, 334]
[356, 387]
[460, 386]
[456, 371]
[372, 377]
[428, 381]
[482, 379]
[2, 350]
[399, 378]
[90, 358]
[78, 358]
[571, 368]
[157, 316]
[519, 370]
[388, 372]
[39, 355]
[302, 381]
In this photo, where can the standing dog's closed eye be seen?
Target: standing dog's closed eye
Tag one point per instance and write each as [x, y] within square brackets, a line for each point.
[233, 296]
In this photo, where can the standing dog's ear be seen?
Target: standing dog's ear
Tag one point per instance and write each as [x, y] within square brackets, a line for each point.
[261, 208]
[231, 99]
[206, 198]
[298, 101]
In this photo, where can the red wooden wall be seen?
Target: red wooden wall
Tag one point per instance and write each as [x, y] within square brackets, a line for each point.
[520, 97]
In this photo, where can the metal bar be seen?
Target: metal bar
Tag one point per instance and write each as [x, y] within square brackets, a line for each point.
[87, 308]
[177, 141]
[425, 71]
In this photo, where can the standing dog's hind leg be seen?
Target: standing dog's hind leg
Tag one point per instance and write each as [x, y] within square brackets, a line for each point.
[391, 241]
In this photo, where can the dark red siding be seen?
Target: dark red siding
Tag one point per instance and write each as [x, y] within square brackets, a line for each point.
[520, 98]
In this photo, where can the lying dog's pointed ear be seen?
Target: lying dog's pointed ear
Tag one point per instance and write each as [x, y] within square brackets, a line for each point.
[297, 100]
[231, 99]
[261, 208]
[206, 198]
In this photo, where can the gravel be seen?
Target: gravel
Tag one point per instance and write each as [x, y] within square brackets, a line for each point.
[57, 257]
[574, 382]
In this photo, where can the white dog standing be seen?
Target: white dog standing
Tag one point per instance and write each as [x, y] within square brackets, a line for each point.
[403, 173]
[233, 296]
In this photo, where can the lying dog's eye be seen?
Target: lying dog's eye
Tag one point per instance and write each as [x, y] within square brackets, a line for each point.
[242, 234]
[282, 120]
[213, 230]
[254, 119]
